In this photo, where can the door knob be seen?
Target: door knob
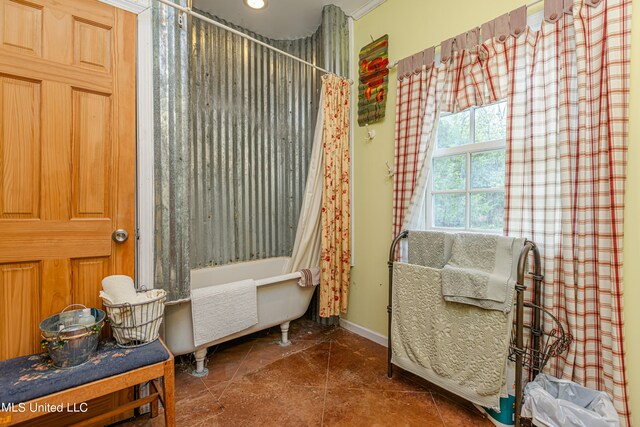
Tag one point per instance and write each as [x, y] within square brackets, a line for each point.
[120, 235]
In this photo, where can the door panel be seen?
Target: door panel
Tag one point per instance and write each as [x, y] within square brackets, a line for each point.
[20, 148]
[56, 161]
[20, 314]
[22, 27]
[57, 290]
[26, 240]
[92, 45]
[87, 277]
[67, 158]
[40, 69]
[91, 154]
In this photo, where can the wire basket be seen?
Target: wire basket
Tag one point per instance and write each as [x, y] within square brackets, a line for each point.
[552, 343]
[137, 324]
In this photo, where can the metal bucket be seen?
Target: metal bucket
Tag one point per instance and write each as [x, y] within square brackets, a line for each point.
[69, 342]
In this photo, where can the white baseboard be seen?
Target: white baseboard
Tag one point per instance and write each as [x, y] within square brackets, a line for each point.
[364, 332]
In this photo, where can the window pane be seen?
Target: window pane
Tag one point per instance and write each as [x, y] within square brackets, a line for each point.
[487, 210]
[453, 130]
[449, 210]
[491, 122]
[487, 169]
[449, 173]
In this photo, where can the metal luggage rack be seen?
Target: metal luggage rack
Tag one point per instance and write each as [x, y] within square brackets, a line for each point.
[542, 344]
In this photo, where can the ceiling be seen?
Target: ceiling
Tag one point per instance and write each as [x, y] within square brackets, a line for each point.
[281, 19]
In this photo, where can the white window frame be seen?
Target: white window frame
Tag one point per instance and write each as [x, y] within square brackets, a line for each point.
[468, 149]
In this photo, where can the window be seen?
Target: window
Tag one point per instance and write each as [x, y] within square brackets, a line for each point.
[466, 191]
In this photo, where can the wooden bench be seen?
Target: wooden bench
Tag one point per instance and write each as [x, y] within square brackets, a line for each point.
[32, 384]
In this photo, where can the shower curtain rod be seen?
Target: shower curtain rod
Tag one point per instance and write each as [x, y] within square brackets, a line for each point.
[395, 63]
[190, 12]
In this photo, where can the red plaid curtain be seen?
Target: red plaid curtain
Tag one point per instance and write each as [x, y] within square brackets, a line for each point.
[603, 39]
[421, 96]
[567, 90]
[411, 98]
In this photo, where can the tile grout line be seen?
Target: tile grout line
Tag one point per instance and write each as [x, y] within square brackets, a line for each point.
[437, 408]
[215, 350]
[382, 389]
[326, 385]
[234, 374]
[205, 386]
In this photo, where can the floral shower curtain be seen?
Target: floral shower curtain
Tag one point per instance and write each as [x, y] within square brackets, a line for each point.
[567, 88]
[335, 261]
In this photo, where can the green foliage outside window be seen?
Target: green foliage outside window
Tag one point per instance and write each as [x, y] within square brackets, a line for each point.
[486, 170]
[454, 130]
[450, 173]
[487, 210]
[491, 123]
[449, 210]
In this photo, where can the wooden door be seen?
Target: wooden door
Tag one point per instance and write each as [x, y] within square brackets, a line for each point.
[67, 158]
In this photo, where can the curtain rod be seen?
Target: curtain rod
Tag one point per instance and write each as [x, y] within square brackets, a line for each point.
[190, 12]
[395, 63]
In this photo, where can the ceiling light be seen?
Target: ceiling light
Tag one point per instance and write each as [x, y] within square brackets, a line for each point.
[256, 4]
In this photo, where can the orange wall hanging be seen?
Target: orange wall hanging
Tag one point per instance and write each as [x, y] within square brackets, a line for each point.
[374, 81]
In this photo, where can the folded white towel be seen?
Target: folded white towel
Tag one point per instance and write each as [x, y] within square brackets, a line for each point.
[120, 289]
[221, 310]
[482, 271]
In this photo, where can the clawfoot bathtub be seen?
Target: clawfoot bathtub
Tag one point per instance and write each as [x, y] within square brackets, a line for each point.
[280, 300]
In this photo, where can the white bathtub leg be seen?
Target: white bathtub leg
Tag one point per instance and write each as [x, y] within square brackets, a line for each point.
[284, 328]
[200, 370]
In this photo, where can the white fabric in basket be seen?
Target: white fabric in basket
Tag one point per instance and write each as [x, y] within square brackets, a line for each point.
[119, 289]
[129, 323]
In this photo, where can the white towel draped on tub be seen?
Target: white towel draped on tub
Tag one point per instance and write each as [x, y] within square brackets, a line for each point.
[309, 277]
[459, 347]
[222, 310]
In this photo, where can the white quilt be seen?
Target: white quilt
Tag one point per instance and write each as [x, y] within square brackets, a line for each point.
[459, 347]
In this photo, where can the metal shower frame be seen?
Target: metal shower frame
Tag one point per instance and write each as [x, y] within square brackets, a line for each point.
[190, 12]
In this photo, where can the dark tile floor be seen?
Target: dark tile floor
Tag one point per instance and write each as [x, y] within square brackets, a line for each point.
[327, 377]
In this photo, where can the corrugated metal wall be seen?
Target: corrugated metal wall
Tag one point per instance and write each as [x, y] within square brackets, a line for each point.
[172, 151]
[252, 139]
[234, 129]
[254, 118]
[335, 48]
